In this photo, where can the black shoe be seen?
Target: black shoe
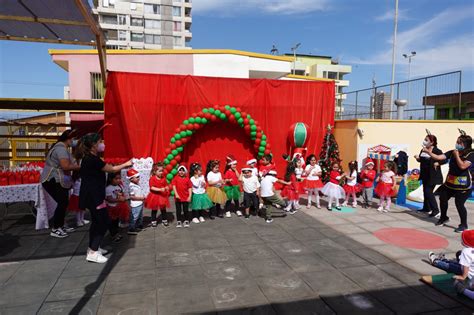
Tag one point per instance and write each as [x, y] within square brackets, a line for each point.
[460, 229]
[165, 223]
[329, 208]
[212, 217]
[132, 232]
[338, 208]
[442, 221]
[433, 214]
[424, 210]
[247, 216]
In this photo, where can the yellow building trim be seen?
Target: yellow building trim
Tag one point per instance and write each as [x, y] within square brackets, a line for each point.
[171, 52]
[407, 121]
[304, 77]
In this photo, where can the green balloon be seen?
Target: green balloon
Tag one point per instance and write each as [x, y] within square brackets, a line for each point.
[177, 136]
[261, 149]
[192, 120]
[251, 122]
[264, 137]
[240, 121]
[253, 127]
[227, 107]
[173, 172]
[170, 157]
[263, 143]
[174, 152]
[205, 110]
[233, 110]
[166, 161]
[186, 122]
[169, 176]
[222, 116]
[242, 125]
[189, 133]
[172, 193]
[204, 121]
[173, 140]
[182, 134]
[249, 117]
[238, 115]
[217, 112]
[253, 138]
[198, 120]
[211, 110]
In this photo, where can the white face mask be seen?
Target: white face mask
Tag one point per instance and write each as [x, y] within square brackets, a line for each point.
[426, 143]
[101, 147]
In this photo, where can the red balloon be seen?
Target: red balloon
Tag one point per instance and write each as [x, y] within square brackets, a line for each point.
[168, 151]
[232, 119]
[246, 121]
[259, 129]
[173, 162]
[238, 109]
[173, 146]
[177, 158]
[227, 112]
[247, 128]
[244, 115]
[213, 118]
[267, 151]
[259, 134]
[216, 106]
[177, 130]
[190, 126]
[178, 143]
[168, 167]
[257, 141]
[197, 126]
[268, 146]
[184, 140]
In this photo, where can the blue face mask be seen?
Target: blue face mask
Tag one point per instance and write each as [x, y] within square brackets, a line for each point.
[459, 147]
[74, 143]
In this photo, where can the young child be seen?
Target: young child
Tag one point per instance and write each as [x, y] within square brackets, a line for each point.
[299, 170]
[291, 191]
[117, 207]
[268, 195]
[158, 198]
[351, 188]
[215, 189]
[252, 164]
[200, 200]
[386, 186]
[266, 165]
[251, 187]
[313, 182]
[137, 197]
[462, 267]
[74, 202]
[332, 188]
[232, 188]
[182, 188]
[368, 176]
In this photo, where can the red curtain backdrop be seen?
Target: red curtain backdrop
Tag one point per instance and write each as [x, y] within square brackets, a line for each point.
[145, 109]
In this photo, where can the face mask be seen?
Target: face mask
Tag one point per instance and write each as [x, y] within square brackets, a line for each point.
[459, 147]
[426, 143]
[74, 143]
[101, 147]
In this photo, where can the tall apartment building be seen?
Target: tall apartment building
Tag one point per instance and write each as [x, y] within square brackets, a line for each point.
[145, 24]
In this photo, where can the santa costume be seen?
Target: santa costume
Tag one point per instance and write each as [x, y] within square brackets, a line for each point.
[158, 199]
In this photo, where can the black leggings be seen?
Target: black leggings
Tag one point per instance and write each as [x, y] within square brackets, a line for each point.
[61, 196]
[155, 212]
[182, 211]
[460, 197]
[100, 222]
[429, 200]
[198, 213]
[216, 210]
[114, 227]
[228, 205]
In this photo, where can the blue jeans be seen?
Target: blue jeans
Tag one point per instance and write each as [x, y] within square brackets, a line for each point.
[450, 266]
[136, 217]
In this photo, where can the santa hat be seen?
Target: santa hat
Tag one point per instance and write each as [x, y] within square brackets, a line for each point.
[369, 161]
[246, 169]
[131, 173]
[182, 167]
[468, 238]
[231, 160]
[251, 161]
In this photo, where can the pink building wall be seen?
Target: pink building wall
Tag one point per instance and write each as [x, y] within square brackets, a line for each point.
[81, 66]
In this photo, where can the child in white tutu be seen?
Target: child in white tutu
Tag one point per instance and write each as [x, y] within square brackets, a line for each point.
[332, 189]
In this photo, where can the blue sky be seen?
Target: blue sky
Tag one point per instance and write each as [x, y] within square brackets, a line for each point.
[356, 32]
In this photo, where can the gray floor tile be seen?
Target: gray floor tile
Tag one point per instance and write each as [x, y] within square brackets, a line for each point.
[371, 256]
[131, 303]
[252, 252]
[77, 288]
[266, 267]
[244, 239]
[183, 258]
[284, 288]
[84, 306]
[216, 255]
[325, 245]
[343, 259]
[237, 294]
[329, 282]
[181, 275]
[21, 310]
[131, 281]
[355, 303]
[184, 299]
[309, 306]
[226, 271]
[291, 248]
[79, 267]
[307, 234]
[371, 277]
[307, 263]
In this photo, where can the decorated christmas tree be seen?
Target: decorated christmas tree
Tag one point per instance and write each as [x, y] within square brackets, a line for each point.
[329, 153]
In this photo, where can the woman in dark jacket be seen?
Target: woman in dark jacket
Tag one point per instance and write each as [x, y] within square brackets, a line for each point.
[430, 174]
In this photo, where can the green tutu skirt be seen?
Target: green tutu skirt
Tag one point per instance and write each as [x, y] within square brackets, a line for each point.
[201, 202]
[232, 192]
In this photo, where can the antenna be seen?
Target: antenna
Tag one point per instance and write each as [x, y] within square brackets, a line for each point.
[274, 50]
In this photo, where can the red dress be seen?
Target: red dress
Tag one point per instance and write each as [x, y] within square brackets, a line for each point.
[291, 191]
[158, 199]
[385, 185]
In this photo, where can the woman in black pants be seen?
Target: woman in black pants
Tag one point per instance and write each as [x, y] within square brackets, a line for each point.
[56, 179]
[458, 183]
[92, 194]
[430, 174]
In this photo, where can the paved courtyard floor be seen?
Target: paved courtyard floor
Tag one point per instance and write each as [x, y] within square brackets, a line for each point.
[313, 262]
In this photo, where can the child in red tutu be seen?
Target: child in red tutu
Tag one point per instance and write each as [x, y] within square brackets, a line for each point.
[313, 183]
[351, 188]
[117, 206]
[386, 186]
[290, 191]
[158, 198]
[332, 188]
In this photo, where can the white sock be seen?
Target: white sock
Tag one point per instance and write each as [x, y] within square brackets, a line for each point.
[78, 217]
[316, 194]
[310, 191]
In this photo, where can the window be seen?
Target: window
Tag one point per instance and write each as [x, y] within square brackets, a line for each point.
[109, 19]
[332, 75]
[111, 34]
[177, 40]
[137, 37]
[152, 9]
[176, 11]
[122, 35]
[443, 113]
[97, 88]
[153, 24]
[122, 19]
[177, 26]
[152, 39]
[136, 22]
[325, 74]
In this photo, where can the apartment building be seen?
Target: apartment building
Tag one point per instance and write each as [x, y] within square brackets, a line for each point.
[145, 24]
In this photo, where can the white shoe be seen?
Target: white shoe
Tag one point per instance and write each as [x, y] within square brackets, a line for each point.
[123, 225]
[179, 224]
[386, 209]
[438, 215]
[196, 220]
[67, 229]
[59, 233]
[80, 223]
[344, 204]
[288, 208]
[201, 219]
[380, 209]
[96, 257]
[103, 252]
[85, 222]
[186, 224]
[318, 206]
[227, 214]
[354, 205]
[239, 213]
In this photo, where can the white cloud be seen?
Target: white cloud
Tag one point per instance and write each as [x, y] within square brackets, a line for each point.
[280, 7]
[388, 16]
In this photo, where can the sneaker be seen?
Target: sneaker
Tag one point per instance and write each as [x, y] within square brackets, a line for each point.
[59, 233]
[123, 225]
[308, 207]
[212, 217]
[380, 209]
[154, 224]
[438, 215]
[80, 223]
[186, 224]
[442, 221]
[338, 208]
[297, 207]
[103, 251]
[434, 214]
[165, 223]
[196, 220]
[247, 216]
[344, 204]
[132, 232]
[386, 209]
[460, 229]
[354, 205]
[318, 206]
[117, 238]
[239, 213]
[67, 229]
[432, 257]
[292, 211]
[201, 219]
[179, 224]
[227, 214]
[86, 222]
[270, 220]
[288, 208]
[96, 257]
[460, 286]
[329, 208]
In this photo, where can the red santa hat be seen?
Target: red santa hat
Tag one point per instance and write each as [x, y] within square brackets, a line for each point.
[131, 173]
[468, 238]
[231, 160]
[246, 169]
[182, 167]
[251, 161]
[369, 161]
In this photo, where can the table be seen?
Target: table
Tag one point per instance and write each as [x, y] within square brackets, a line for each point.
[43, 202]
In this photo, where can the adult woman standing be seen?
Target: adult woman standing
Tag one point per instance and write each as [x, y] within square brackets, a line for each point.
[458, 183]
[56, 179]
[92, 194]
[430, 174]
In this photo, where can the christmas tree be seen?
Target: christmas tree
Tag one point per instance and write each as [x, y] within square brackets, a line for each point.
[329, 153]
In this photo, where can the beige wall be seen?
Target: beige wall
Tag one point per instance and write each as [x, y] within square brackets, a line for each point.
[407, 134]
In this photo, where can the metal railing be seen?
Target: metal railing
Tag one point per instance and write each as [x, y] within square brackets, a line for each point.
[97, 88]
[378, 102]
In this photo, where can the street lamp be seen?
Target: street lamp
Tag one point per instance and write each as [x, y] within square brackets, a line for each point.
[394, 44]
[293, 49]
[411, 55]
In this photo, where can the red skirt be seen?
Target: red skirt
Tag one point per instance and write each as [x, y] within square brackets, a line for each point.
[289, 193]
[313, 184]
[352, 189]
[301, 187]
[120, 212]
[384, 189]
[73, 204]
[156, 201]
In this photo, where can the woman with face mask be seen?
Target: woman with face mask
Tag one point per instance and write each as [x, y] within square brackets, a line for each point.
[92, 194]
[57, 181]
[458, 183]
[430, 174]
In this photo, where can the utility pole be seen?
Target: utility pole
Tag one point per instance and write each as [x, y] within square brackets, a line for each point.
[394, 44]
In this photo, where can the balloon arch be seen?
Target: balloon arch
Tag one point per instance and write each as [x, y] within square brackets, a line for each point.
[207, 115]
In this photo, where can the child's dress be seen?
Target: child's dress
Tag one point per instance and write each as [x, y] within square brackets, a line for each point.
[312, 180]
[351, 185]
[291, 191]
[332, 188]
[216, 192]
[300, 180]
[158, 199]
[385, 185]
[200, 200]
[232, 188]
[74, 199]
[117, 210]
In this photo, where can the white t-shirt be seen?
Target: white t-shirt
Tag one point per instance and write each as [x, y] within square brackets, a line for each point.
[76, 187]
[387, 177]
[112, 191]
[298, 172]
[136, 191]
[352, 182]
[266, 186]
[199, 185]
[467, 259]
[254, 171]
[312, 175]
[214, 177]
[250, 184]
